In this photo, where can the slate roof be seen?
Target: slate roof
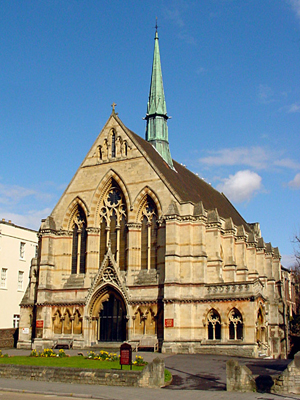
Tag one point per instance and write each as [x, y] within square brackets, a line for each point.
[188, 186]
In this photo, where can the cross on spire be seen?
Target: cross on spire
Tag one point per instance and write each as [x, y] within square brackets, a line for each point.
[156, 26]
[113, 105]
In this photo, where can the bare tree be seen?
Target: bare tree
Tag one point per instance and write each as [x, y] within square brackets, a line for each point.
[295, 323]
[296, 240]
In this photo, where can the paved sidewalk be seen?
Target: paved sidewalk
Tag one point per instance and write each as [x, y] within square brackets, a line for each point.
[194, 376]
[121, 393]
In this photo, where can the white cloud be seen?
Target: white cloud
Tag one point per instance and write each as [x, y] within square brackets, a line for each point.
[295, 183]
[30, 220]
[293, 108]
[265, 94]
[187, 38]
[174, 15]
[13, 194]
[241, 186]
[295, 6]
[256, 157]
[287, 163]
[200, 70]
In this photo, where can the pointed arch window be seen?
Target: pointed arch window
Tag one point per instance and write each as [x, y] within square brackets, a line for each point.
[149, 234]
[113, 230]
[79, 242]
[235, 325]
[214, 325]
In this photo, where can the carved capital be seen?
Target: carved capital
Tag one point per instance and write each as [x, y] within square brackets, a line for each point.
[134, 225]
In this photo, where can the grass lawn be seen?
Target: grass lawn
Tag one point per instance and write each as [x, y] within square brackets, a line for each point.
[69, 362]
[168, 376]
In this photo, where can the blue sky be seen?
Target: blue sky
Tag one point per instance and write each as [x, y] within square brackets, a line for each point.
[231, 71]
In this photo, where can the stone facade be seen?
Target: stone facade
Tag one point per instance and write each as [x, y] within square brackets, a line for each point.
[138, 246]
[197, 281]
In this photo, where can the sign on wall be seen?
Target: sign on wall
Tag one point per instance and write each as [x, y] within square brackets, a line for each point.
[169, 323]
[39, 323]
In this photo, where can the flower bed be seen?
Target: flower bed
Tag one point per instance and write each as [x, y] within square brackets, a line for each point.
[48, 353]
[105, 356]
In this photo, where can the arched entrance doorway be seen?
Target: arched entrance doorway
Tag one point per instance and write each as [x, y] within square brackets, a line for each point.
[112, 320]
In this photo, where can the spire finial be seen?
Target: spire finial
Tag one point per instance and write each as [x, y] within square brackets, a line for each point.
[113, 105]
[156, 117]
[156, 26]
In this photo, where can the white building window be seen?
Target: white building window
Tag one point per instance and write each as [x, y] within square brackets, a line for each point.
[22, 250]
[16, 320]
[3, 278]
[20, 280]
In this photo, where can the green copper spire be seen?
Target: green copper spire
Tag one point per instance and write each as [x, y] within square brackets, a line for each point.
[157, 128]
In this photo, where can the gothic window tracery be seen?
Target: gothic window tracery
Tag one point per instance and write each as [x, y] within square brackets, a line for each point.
[113, 218]
[148, 234]
[214, 325]
[79, 245]
[235, 325]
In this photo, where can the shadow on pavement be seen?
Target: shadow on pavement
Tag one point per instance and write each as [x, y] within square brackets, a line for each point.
[194, 382]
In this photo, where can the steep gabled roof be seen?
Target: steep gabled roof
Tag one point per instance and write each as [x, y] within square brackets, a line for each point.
[187, 186]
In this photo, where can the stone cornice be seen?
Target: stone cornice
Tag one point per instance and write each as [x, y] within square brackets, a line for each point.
[61, 304]
[210, 300]
[27, 305]
[217, 225]
[145, 302]
[185, 218]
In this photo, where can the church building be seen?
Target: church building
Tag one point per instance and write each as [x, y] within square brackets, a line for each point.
[139, 246]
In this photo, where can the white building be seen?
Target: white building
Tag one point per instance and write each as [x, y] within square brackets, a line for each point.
[18, 246]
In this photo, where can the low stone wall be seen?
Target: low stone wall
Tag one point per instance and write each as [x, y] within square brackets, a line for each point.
[227, 349]
[289, 380]
[151, 376]
[239, 378]
[8, 337]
